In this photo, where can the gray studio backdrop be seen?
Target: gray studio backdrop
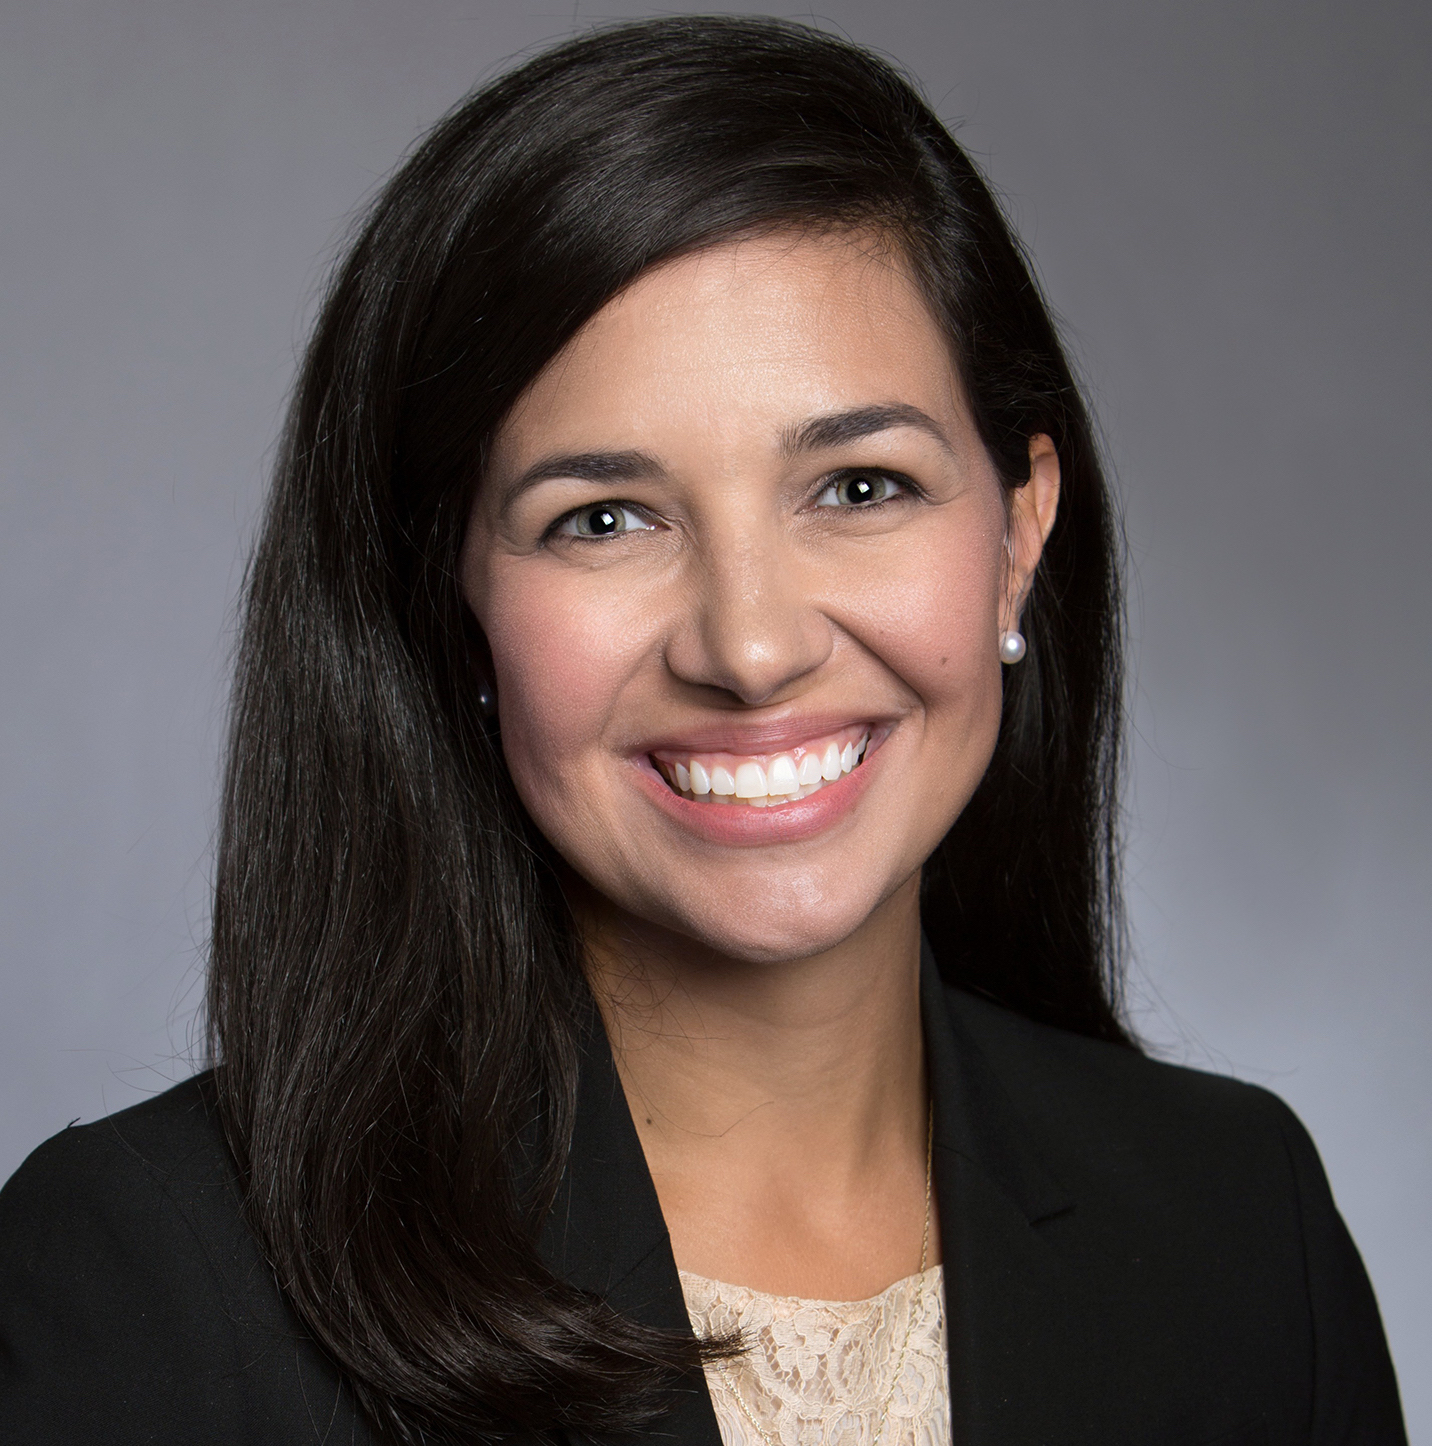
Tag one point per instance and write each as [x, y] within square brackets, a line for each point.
[1229, 204]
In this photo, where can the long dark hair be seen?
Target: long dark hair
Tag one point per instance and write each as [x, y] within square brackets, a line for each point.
[396, 992]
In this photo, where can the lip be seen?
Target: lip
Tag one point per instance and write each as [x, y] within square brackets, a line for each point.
[738, 826]
[758, 739]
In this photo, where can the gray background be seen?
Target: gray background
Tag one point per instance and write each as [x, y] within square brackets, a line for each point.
[1229, 203]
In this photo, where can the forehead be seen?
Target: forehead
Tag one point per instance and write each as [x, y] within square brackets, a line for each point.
[741, 340]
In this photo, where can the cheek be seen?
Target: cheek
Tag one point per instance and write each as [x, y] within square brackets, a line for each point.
[932, 617]
[939, 624]
[561, 655]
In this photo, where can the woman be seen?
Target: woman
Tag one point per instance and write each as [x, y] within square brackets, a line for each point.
[666, 932]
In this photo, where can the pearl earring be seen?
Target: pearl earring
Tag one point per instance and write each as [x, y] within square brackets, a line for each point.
[1011, 646]
[486, 699]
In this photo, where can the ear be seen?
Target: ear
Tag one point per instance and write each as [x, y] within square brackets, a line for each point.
[1032, 508]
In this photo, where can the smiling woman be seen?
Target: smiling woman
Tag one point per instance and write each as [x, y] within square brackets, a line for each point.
[809, 565]
[664, 980]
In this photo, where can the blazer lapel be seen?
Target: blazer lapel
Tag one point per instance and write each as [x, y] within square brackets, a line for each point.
[1021, 1370]
[605, 1233]
[1022, 1367]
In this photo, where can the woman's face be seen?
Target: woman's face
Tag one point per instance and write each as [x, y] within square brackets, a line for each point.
[742, 563]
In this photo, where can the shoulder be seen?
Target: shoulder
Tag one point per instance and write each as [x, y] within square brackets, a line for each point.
[154, 1180]
[151, 1185]
[1198, 1211]
[135, 1304]
[170, 1144]
[1158, 1161]
[1096, 1104]
[1148, 1143]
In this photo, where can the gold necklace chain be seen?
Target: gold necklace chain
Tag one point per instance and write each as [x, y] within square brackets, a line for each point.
[745, 1410]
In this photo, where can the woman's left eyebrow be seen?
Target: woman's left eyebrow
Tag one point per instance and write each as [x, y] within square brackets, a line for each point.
[836, 429]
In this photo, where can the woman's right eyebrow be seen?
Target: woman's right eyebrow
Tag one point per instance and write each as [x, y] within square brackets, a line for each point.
[584, 467]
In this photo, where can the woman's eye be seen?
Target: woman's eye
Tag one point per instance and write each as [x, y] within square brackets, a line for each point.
[858, 489]
[606, 519]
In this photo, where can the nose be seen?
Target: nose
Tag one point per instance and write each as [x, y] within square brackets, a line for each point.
[753, 625]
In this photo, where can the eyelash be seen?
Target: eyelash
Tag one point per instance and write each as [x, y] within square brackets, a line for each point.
[905, 486]
[613, 504]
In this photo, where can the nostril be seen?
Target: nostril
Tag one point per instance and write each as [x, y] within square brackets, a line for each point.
[751, 642]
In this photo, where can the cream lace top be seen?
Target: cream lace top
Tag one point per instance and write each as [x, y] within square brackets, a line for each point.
[820, 1372]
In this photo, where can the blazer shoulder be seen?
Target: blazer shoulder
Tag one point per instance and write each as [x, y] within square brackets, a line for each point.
[1117, 1090]
[152, 1182]
[1153, 1152]
[135, 1304]
[170, 1140]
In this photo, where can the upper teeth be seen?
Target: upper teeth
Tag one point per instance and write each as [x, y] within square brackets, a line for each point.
[767, 779]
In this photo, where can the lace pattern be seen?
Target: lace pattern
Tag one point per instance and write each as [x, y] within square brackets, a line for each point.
[819, 1372]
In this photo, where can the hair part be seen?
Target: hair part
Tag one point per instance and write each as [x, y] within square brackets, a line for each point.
[395, 993]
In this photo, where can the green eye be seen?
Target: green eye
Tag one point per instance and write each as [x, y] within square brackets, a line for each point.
[858, 489]
[606, 519]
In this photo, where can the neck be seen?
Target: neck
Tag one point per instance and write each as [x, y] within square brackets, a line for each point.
[781, 1106]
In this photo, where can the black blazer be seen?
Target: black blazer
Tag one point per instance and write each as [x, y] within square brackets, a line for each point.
[1135, 1255]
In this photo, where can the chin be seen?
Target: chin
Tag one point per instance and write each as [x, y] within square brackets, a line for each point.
[776, 933]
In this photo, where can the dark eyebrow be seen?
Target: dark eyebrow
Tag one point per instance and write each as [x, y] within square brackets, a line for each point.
[585, 467]
[839, 428]
[833, 430]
